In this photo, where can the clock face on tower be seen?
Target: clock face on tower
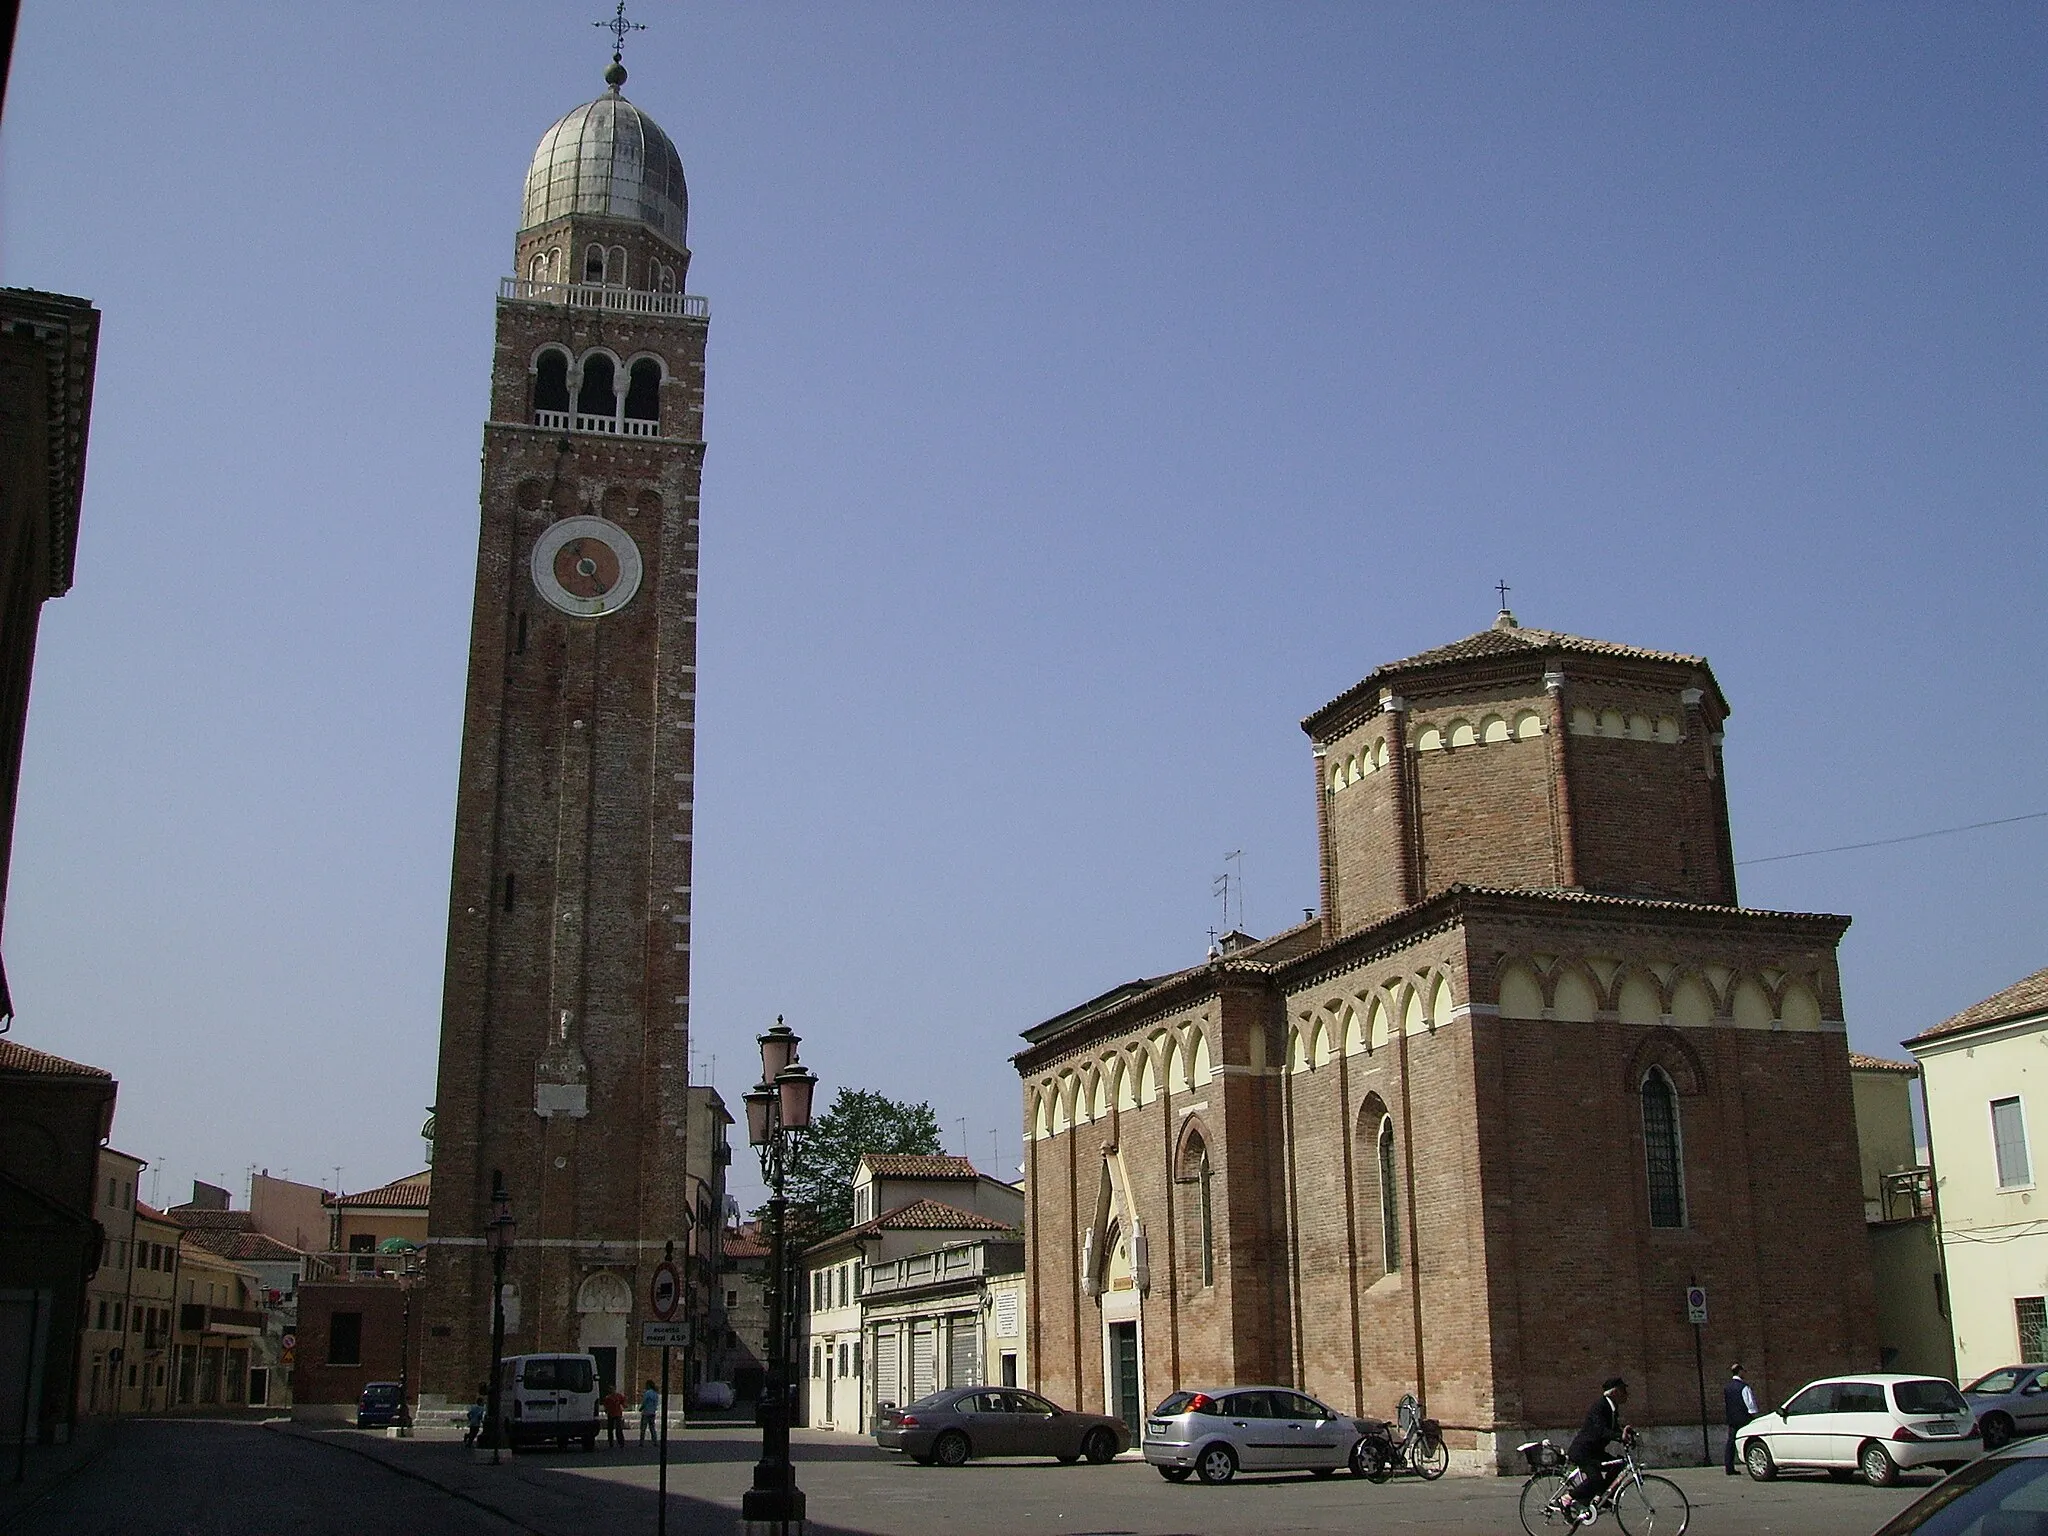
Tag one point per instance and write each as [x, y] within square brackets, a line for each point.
[586, 566]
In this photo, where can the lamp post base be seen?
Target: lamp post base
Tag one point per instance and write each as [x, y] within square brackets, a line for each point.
[772, 1512]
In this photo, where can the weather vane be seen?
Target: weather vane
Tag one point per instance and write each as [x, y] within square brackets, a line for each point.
[1499, 586]
[618, 26]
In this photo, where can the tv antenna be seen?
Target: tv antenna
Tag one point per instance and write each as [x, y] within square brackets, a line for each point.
[1236, 857]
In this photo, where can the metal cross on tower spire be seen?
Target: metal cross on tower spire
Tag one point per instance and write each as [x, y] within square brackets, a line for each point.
[1499, 586]
[618, 26]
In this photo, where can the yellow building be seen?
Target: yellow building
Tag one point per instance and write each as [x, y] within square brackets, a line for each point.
[1985, 1077]
[102, 1363]
[1898, 1213]
[146, 1384]
[364, 1221]
[219, 1323]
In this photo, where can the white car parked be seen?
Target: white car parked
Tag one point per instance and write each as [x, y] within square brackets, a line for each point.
[1878, 1425]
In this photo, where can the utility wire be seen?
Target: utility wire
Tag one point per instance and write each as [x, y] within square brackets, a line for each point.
[1886, 842]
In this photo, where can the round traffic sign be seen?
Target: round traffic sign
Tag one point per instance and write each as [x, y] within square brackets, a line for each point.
[665, 1290]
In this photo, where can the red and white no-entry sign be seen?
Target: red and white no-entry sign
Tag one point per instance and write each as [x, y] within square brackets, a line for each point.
[664, 1290]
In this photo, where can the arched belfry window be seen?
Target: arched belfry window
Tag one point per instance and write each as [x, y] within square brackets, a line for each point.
[551, 388]
[615, 266]
[1664, 1150]
[597, 402]
[1390, 1201]
[643, 398]
[593, 264]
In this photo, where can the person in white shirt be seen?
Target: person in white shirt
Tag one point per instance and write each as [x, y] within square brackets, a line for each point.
[1738, 1405]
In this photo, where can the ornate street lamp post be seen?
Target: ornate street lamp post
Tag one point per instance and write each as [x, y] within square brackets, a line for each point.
[498, 1232]
[778, 1111]
[409, 1259]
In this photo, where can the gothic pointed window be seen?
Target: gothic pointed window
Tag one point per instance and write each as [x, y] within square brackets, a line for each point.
[599, 396]
[1204, 1177]
[551, 384]
[1390, 1205]
[1663, 1149]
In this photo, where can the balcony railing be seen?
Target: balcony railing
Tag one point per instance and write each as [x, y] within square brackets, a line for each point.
[1906, 1194]
[634, 301]
[616, 426]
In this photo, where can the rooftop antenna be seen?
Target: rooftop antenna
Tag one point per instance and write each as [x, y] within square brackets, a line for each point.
[337, 1178]
[1237, 858]
[962, 1123]
[1220, 888]
[995, 1147]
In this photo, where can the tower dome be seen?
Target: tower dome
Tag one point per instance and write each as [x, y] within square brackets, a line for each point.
[609, 158]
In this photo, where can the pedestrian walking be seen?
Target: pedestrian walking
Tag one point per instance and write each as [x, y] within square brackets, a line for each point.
[1738, 1406]
[615, 1418]
[475, 1417]
[650, 1405]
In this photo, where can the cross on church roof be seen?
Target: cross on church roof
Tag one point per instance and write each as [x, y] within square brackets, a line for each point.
[1499, 586]
[618, 26]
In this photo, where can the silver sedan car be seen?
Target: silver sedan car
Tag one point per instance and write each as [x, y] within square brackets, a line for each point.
[1216, 1434]
[2010, 1403]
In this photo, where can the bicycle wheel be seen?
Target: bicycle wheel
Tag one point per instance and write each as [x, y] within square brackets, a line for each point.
[1654, 1507]
[1431, 1457]
[1540, 1514]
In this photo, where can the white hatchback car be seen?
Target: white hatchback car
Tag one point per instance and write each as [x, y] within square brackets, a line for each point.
[1878, 1425]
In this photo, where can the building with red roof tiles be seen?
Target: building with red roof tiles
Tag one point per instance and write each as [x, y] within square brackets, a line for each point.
[1471, 1129]
[54, 1116]
[839, 1343]
[1985, 1082]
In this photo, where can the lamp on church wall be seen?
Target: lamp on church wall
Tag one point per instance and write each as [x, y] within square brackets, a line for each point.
[499, 1233]
[778, 1112]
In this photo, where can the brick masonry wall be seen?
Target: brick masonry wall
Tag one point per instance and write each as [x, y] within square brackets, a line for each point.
[570, 888]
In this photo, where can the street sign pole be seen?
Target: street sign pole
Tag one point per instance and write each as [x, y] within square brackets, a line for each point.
[665, 1292]
[1696, 1309]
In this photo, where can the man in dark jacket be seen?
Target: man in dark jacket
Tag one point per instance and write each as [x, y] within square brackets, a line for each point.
[1738, 1405]
[1588, 1453]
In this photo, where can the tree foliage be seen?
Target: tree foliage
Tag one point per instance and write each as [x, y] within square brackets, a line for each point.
[859, 1121]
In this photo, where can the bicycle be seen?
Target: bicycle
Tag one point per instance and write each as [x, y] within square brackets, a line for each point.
[1378, 1455]
[1643, 1503]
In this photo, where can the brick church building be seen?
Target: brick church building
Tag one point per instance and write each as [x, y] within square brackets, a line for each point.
[565, 1008]
[1473, 1132]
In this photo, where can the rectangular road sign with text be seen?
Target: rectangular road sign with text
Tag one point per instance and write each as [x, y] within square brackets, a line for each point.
[667, 1335]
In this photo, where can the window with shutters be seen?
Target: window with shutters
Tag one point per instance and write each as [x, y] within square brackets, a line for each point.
[2009, 1143]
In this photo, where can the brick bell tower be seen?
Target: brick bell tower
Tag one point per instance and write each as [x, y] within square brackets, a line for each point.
[565, 1011]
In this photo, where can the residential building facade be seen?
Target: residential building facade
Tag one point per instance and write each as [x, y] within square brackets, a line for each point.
[1354, 1158]
[103, 1348]
[1899, 1213]
[54, 1116]
[947, 1317]
[839, 1383]
[1984, 1074]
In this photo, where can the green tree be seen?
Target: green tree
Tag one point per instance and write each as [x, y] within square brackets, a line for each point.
[821, 1189]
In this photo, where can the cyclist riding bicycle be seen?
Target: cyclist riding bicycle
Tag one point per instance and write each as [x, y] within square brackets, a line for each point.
[1588, 1453]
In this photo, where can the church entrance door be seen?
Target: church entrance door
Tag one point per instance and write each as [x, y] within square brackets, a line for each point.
[1125, 1399]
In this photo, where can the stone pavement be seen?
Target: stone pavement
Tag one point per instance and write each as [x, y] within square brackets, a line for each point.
[215, 1478]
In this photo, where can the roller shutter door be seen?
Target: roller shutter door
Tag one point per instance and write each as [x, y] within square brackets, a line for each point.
[886, 1366]
[923, 1361]
[963, 1351]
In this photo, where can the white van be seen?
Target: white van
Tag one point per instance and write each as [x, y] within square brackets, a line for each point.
[549, 1397]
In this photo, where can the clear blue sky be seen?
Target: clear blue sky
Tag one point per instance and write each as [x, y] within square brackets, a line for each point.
[1094, 390]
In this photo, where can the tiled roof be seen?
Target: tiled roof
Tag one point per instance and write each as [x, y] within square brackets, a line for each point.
[149, 1212]
[2025, 996]
[1506, 638]
[913, 1165]
[200, 1219]
[15, 1057]
[743, 1245]
[408, 1193]
[249, 1247]
[919, 1216]
[1862, 1063]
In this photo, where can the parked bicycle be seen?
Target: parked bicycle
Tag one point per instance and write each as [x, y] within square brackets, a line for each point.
[1643, 1503]
[1418, 1446]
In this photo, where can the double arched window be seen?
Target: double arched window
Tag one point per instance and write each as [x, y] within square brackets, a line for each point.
[1664, 1149]
[605, 266]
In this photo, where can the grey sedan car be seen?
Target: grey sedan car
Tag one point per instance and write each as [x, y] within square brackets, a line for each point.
[1215, 1434]
[949, 1427]
[2010, 1403]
